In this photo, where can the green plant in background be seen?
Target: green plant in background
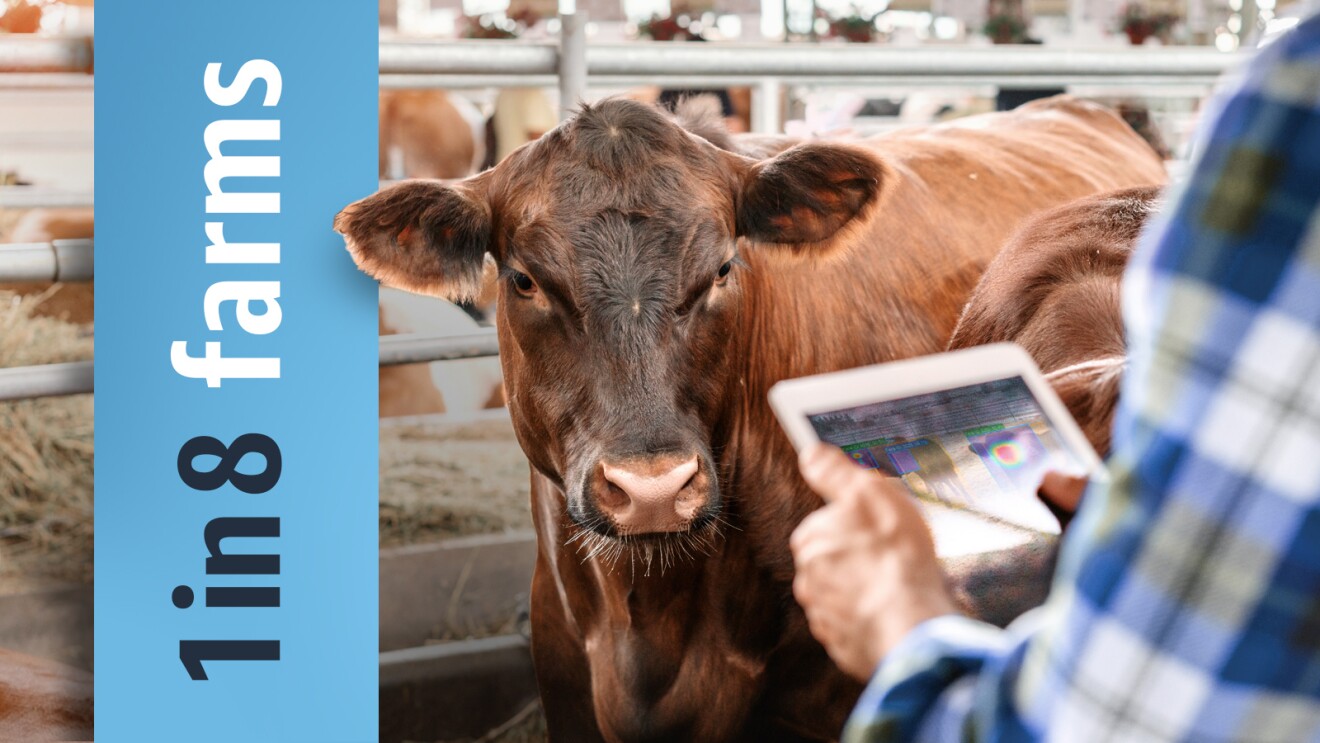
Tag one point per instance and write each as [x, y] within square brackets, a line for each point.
[1139, 23]
[677, 26]
[856, 27]
[499, 25]
[1005, 29]
[1005, 22]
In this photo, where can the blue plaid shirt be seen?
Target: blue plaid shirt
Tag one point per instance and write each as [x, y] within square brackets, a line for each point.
[1186, 606]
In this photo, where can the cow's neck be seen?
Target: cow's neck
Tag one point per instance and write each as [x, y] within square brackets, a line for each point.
[669, 641]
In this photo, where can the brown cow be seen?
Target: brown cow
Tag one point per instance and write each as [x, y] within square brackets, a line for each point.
[1054, 290]
[655, 286]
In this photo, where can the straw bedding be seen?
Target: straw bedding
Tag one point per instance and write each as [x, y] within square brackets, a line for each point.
[45, 453]
[441, 480]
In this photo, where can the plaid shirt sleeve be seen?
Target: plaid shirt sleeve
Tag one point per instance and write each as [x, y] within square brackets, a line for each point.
[1186, 606]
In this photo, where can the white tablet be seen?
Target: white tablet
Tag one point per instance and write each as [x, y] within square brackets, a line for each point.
[974, 429]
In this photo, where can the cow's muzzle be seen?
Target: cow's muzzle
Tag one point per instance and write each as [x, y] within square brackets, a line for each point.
[655, 494]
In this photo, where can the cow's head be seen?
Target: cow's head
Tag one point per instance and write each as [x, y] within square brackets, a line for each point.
[616, 238]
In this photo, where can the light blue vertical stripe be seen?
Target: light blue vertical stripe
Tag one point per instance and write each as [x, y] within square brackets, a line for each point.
[152, 111]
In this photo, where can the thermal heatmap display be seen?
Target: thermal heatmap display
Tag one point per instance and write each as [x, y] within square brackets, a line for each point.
[982, 447]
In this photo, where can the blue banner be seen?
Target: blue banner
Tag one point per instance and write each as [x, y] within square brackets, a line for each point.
[236, 368]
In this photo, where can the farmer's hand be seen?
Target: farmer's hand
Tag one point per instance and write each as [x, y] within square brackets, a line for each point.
[866, 567]
[1063, 491]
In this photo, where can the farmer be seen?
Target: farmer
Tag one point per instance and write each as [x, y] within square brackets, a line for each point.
[1187, 601]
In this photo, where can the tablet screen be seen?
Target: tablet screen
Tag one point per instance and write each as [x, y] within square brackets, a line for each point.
[982, 447]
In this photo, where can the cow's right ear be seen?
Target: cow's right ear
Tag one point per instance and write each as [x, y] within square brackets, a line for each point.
[424, 237]
[808, 197]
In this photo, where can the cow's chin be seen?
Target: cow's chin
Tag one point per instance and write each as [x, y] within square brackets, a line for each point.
[646, 553]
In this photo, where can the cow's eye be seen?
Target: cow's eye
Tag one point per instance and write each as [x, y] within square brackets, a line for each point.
[723, 274]
[523, 283]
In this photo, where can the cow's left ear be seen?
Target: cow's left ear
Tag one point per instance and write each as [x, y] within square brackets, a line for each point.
[803, 197]
[425, 237]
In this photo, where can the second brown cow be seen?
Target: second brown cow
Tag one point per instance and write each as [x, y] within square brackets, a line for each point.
[1055, 290]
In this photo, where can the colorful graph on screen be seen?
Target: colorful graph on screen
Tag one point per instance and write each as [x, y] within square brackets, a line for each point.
[965, 447]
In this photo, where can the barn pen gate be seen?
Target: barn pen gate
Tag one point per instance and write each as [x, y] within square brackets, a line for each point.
[462, 689]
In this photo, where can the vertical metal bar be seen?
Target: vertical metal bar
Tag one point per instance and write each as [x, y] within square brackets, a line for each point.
[1250, 33]
[572, 61]
[1076, 16]
[767, 114]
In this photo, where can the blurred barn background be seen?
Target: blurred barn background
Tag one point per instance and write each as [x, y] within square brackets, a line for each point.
[464, 82]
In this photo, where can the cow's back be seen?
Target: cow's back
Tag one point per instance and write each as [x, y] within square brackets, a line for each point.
[1055, 286]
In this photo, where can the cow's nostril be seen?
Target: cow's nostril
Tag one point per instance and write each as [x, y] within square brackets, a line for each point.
[688, 486]
[613, 496]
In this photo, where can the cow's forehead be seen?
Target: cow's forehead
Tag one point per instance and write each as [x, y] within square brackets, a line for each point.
[618, 154]
[619, 135]
[666, 204]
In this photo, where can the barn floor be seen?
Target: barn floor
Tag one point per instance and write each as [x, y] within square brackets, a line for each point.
[527, 727]
[442, 479]
[45, 455]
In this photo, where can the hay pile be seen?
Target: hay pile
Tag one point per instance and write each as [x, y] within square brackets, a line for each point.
[45, 453]
[442, 480]
[528, 726]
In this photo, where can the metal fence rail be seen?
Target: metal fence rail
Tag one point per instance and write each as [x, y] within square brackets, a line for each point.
[401, 61]
[47, 380]
[412, 348]
[21, 53]
[61, 260]
[61, 81]
[75, 378]
[31, 197]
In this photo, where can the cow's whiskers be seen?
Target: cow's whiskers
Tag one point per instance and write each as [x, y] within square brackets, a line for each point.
[647, 552]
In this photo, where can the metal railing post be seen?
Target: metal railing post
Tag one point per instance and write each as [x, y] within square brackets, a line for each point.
[572, 61]
[767, 107]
